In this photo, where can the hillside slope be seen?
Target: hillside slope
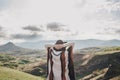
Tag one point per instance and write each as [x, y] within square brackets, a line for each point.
[99, 67]
[10, 74]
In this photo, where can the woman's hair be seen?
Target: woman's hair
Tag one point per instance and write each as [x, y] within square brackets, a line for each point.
[59, 42]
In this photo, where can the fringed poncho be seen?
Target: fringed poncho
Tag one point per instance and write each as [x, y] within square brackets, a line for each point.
[60, 64]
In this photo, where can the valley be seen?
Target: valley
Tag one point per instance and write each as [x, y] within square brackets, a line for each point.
[92, 63]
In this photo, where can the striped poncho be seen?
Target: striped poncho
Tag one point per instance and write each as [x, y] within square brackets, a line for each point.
[60, 64]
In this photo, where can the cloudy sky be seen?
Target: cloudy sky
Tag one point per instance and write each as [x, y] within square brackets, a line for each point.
[34, 20]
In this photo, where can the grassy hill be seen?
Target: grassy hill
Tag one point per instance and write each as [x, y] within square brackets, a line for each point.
[100, 65]
[10, 74]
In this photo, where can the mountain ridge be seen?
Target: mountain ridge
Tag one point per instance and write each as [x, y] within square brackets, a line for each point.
[79, 44]
[10, 47]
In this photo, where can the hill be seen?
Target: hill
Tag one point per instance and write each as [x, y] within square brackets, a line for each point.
[95, 63]
[97, 66]
[79, 44]
[10, 74]
[10, 47]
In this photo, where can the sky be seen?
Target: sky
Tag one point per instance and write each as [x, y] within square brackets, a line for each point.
[35, 20]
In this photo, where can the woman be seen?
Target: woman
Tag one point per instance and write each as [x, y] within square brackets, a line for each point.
[60, 61]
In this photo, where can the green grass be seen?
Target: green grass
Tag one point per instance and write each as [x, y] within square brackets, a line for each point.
[11, 74]
[108, 50]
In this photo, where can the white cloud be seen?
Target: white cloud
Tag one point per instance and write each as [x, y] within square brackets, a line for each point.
[84, 18]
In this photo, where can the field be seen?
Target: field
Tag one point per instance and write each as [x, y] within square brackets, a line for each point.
[10, 74]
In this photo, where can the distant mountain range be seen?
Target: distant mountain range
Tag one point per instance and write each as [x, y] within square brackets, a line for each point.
[78, 43]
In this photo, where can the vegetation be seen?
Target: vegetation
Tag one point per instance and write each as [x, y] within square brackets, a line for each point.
[88, 62]
[111, 49]
[10, 74]
[7, 61]
[105, 59]
[12, 62]
[5, 58]
[24, 61]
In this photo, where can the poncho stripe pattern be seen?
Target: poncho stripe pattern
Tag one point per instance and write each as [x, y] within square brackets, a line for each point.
[60, 64]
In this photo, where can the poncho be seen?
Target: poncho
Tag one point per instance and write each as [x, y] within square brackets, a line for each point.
[60, 64]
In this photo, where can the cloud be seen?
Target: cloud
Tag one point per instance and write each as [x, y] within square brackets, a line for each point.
[33, 28]
[114, 1]
[4, 4]
[2, 34]
[0, 28]
[54, 26]
[117, 32]
[100, 9]
[92, 14]
[11, 4]
[111, 9]
[25, 36]
[116, 13]
[110, 31]
[80, 3]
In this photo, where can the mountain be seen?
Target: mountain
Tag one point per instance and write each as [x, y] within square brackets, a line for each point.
[79, 44]
[36, 45]
[13, 49]
[10, 47]
[113, 42]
